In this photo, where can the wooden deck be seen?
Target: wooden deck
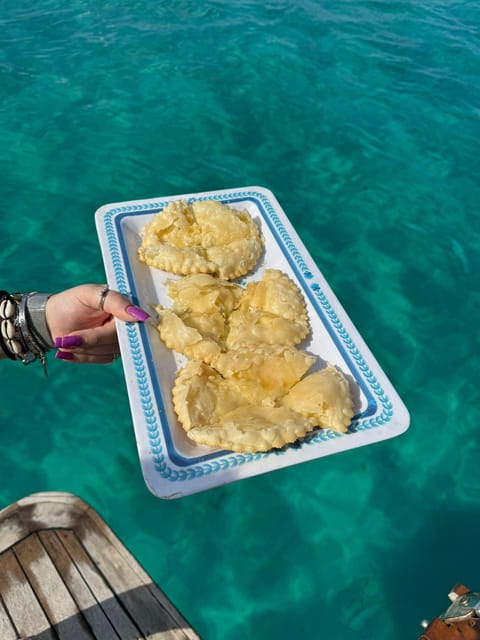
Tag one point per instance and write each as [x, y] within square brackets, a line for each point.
[65, 575]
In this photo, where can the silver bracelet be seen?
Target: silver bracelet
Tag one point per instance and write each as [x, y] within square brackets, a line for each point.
[36, 305]
[34, 350]
[24, 333]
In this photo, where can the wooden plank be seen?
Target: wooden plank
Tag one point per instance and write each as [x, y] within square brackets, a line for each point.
[148, 612]
[50, 590]
[100, 590]
[20, 600]
[126, 594]
[142, 597]
[13, 530]
[39, 511]
[79, 589]
[7, 630]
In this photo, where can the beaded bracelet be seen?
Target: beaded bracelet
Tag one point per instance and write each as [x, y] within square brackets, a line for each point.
[20, 338]
[11, 342]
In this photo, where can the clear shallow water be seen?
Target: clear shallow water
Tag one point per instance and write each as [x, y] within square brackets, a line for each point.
[363, 119]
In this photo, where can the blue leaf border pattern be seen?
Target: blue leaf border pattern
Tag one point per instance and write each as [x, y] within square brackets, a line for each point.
[370, 419]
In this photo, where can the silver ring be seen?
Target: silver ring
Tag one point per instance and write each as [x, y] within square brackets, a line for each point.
[103, 295]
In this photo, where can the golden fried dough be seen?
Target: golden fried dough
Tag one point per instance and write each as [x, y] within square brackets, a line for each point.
[324, 398]
[196, 325]
[186, 333]
[246, 386]
[201, 396]
[263, 373]
[205, 294]
[251, 429]
[271, 311]
[221, 413]
[202, 237]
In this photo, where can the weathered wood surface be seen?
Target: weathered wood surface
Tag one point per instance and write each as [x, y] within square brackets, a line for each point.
[64, 575]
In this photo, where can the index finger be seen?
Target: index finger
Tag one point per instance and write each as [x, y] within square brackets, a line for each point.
[121, 307]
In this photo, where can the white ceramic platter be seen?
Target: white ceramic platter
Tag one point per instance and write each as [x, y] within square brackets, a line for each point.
[174, 466]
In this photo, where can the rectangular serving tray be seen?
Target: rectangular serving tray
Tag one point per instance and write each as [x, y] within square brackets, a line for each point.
[173, 466]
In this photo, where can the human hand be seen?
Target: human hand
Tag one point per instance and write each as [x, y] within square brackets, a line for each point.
[83, 331]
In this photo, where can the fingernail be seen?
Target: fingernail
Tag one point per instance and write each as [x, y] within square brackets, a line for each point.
[72, 341]
[137, 313]
[64, 355]
[68, 341]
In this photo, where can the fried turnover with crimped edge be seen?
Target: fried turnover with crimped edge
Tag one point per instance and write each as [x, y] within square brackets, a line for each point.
[182, 334]
[263, 373]
[251, 429]
[214, 413]
[271, 311]
[201, 396]
[217, 311]
[196, 325]
[202, 237]
[204, 293]
[324, 398]
[219, 412]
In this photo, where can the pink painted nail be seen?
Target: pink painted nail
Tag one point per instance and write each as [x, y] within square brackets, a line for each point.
[137, 313]
[72, 341]
[64, 355]
[68, 342]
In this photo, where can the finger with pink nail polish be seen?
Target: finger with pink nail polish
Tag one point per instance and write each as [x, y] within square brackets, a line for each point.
[137, 313]
[64, 355]
[68, 342]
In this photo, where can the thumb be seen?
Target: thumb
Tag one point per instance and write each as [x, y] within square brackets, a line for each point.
[121, 308]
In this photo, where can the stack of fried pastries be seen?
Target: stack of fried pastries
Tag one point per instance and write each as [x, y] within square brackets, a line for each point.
[246, 386]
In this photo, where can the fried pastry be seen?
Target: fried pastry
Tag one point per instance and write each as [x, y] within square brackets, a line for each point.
[201, 396]
[246, 386]
[196, 324]
[323, 398]
[191, 334]
[203, 293]
[202, 237]
[230, 412]
[263, 373]
[271, 311]
[250, 429]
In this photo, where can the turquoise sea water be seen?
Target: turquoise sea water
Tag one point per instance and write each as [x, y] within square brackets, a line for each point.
[363, 118]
